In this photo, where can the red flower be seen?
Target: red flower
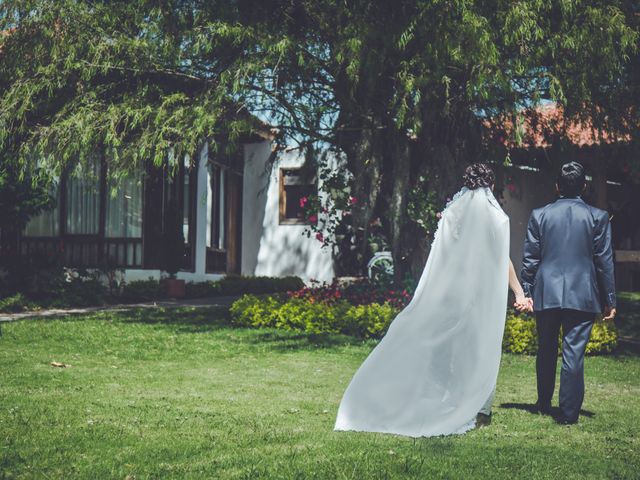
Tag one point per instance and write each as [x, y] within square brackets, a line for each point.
[352, 200]
[511, 187]
[313, 218]
[303, 201]
[320, 237]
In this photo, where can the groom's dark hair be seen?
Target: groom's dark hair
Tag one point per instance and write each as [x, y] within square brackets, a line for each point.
[571, 181]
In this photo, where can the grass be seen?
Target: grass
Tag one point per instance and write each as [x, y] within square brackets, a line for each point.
[180, 394]
[628, 320]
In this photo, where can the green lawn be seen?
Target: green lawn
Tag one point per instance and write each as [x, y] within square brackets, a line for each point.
[180, 394]
[628, 320]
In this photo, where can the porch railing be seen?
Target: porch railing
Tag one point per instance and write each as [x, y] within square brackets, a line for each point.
[86, 250]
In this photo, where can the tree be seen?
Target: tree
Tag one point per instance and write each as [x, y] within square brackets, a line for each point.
[401, 89]
[21, 197]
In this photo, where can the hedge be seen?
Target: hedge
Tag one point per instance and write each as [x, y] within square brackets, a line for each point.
[238, 284]
[366, 321]
[373, 320]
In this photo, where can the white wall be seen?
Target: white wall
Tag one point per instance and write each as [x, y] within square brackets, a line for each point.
[269, 248]
[131, 275]
[533, 190]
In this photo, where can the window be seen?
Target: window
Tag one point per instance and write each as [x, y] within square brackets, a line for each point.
[216, 214]
[124, 208]
[186, 198]
[46, 223]
[295, 185]
[83, 200]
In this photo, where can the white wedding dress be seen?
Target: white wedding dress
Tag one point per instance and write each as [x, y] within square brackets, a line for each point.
[438, 363]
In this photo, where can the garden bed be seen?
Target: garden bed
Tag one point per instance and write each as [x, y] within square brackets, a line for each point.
[60, 291]
[332, 310]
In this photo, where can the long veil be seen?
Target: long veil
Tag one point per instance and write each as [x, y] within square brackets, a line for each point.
[438, 363]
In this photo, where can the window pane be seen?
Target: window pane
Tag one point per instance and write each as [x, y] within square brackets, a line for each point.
[46, 223]
[83, 200]
[293, 194]
[221, 210]
[124, 208]
[186, 200]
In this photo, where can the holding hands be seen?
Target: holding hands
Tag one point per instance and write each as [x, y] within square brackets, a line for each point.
[523, 304]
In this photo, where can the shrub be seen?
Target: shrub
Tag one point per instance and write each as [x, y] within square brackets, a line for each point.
[358, 293]
[373, 320]
[313, 317]
[520, 336]
[604, 338]
[15, 303]
[237, 284]
[252, 311]
[370, 321]
[143, 291]
[77, 293]
[202, 289]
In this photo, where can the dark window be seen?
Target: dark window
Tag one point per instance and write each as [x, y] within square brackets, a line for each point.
[295, 188]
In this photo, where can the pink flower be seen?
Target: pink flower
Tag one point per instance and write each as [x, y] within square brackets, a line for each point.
[313, 218]
[320, 237]
[303, 202]
[352, 200]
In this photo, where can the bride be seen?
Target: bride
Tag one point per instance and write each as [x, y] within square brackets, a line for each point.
[435, 371]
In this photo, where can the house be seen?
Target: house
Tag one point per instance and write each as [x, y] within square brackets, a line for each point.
[548, 141]
[240, 215]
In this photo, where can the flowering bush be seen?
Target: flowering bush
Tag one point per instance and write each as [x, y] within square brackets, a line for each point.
[360, 293]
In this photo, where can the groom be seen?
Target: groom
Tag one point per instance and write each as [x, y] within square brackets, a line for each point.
[567, 275]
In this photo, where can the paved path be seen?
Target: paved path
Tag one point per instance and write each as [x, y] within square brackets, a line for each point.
[61, 312]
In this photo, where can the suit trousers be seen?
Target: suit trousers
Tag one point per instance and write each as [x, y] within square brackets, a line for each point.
[576, 329]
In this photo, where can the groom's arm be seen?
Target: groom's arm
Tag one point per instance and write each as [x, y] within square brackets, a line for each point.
[603, 260]
[531, 255]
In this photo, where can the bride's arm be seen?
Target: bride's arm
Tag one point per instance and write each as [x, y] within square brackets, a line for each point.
[521, 302]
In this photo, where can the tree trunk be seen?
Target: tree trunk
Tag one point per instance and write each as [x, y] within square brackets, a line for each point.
[364, 160]
[398, 208]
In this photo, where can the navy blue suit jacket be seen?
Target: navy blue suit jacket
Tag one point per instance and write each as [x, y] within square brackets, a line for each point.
[568, 258]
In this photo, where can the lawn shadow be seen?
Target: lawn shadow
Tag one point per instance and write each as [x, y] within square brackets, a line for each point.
[555, 413]
[282, 340]
[209, 319]
[183, 320]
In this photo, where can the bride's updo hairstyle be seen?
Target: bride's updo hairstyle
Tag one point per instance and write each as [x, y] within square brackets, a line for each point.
[478, 175]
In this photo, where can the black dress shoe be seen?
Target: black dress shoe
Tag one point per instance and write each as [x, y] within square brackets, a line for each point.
[542, 409]
[483, 420]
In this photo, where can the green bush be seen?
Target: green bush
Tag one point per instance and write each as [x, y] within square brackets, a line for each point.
[373, 320]
[202, 289]
[143, 291]
[299, 314]
[370, 321]
[237, 284]
[15, 303]
[520, 336]
[83, 292]
[604, 338]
